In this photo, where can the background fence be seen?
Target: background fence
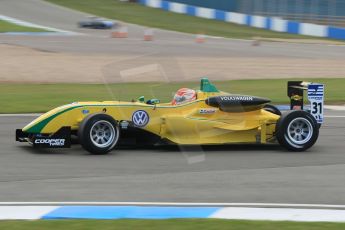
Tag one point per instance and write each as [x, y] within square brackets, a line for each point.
[328, 12]
[268, 22]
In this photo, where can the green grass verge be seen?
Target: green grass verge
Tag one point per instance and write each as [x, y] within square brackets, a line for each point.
[11, 27]
[22, 98]
[173, 224]
[157, 18]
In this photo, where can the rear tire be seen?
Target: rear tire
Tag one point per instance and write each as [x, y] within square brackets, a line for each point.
[297, 131]
[98, 133]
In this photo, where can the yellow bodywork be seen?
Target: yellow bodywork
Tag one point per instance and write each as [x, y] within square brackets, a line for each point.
[182, 124]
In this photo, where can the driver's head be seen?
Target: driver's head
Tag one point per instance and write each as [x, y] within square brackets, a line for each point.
[184, 95]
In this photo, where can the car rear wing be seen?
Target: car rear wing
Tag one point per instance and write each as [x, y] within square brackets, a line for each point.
[315, 96]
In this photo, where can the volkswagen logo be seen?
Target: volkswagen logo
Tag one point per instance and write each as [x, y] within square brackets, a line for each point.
[140, 118]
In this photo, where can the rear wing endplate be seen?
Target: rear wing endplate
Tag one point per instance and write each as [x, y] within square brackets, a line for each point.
[315, 93]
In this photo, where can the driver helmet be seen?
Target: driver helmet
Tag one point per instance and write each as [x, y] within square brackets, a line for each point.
[184, 95]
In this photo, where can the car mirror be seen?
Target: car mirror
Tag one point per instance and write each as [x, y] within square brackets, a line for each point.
[141, 99]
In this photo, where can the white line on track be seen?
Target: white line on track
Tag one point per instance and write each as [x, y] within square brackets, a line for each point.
[21, 115]
[267, 205]
[335, 107]
[29, 24]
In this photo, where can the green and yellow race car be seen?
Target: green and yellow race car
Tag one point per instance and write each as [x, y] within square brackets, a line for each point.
[205, 116]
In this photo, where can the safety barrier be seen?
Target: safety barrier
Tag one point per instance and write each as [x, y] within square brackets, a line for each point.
[269, 23]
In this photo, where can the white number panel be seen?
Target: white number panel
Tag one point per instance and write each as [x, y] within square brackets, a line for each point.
[316, 98]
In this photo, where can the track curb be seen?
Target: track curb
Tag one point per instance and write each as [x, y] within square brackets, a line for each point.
[166, 210]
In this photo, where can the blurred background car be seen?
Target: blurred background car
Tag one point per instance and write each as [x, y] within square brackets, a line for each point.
[97, 23]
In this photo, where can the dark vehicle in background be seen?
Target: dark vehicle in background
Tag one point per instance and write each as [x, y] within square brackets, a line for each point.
[97, 23]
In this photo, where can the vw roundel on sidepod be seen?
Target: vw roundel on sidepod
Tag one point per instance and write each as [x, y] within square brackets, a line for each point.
[205, 116]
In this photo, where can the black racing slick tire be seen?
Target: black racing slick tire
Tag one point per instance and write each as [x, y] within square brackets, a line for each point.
[297, 130]
[98, 133]
[272, 109]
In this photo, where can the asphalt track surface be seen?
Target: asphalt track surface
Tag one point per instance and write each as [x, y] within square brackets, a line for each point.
[264, 174]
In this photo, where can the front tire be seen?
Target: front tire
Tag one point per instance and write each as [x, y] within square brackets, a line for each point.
[98, 133]
[297, 131]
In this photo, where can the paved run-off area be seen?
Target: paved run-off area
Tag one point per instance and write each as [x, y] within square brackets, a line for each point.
[264, 174]
[92, 56]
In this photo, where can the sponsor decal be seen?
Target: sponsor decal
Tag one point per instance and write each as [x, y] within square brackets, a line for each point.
[124, 124]
[236, 98]
[207, 111]
[51, 142]
[315, 90]
[85, 111]
[140, 118]
[296, 97]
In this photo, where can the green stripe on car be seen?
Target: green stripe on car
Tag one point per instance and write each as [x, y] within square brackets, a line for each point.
[39, 126]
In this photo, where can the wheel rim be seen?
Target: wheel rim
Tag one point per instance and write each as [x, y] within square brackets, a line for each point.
[102, 134]
[299, 131]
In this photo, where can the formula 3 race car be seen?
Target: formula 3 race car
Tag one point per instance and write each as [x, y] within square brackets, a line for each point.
[205, 116]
